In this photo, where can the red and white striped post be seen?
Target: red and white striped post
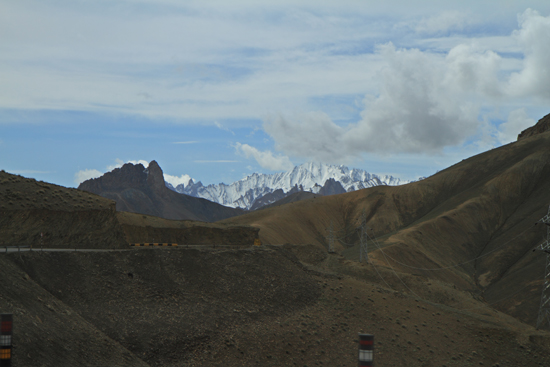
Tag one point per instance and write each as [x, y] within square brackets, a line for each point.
[366, 350]
[6, 330]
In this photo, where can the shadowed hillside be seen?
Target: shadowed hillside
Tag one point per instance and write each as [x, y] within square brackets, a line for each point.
[34, 212]
[39, 214]
[471, 225]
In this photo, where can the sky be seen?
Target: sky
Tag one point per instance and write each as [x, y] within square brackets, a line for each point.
[218, 90]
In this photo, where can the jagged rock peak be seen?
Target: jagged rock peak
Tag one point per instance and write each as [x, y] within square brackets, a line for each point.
[332, 187]
[129, 175]
[543, 125]
[155, 176]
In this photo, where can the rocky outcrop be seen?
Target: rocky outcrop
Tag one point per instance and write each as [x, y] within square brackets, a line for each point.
[139, 190]
[332, 187]
[540, 127]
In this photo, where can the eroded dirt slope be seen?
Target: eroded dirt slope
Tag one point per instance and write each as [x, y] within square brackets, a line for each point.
[471, 225]
[164, 306]
[246, 308]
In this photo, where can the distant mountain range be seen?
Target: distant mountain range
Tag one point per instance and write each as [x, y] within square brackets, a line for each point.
[145, 190]
[259, 189]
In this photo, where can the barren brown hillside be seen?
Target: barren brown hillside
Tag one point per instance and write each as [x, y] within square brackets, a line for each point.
[471, 225]
[454, 282]
[34, 212]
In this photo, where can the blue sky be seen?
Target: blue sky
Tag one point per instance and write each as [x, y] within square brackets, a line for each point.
[218, 90]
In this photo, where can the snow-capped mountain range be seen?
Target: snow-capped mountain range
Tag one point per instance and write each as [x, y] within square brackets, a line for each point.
[307, 177]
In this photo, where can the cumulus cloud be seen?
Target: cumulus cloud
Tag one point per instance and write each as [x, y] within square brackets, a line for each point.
[86, 174]
[474, 71]
[311, 135]
[175, 180]
[425, 104]
[534, 37]
[427, 101]
[517, 122]
[265, 159]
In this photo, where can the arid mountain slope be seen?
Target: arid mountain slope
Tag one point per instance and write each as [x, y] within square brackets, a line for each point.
[139, 190]
[471, 225]
[246, 307]
[34, 212]
[271, 305]
[140, 228]
[39, 214]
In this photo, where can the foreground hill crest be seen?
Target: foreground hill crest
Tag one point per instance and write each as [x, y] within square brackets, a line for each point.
[540, 127]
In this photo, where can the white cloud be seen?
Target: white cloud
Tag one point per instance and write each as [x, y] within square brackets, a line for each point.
[221, 127]
[86, 174]
[175, 180]
[517, 122]
[426, 103]
[265, 159]
[450, 20]
[200, 62]
[473, 70]
[119, 163]
[534, 37]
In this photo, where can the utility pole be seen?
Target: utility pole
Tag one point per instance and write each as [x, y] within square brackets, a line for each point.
[544, 309]
[331, 238]
[363, 249]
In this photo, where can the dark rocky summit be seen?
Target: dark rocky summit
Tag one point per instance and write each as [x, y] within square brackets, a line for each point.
[332, 187]
[139, 190]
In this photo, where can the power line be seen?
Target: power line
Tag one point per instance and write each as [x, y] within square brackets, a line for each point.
[363, 249]
[364, 254]
[375, 241]
[331, 238]
[465, 262]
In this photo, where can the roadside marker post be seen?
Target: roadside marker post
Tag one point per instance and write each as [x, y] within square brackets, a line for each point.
[6, 331]
[366, 350]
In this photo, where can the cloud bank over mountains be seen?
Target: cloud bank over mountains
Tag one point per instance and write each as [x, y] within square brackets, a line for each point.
[389, 86]
[428, 101]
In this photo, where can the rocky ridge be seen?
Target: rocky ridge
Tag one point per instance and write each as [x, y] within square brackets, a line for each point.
[139, 190]
[540, 127]
[311, 177]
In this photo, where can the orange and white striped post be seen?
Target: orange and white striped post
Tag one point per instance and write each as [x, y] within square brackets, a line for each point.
[6, 332]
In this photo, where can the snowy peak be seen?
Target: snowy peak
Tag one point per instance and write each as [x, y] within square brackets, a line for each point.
[309, 176]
